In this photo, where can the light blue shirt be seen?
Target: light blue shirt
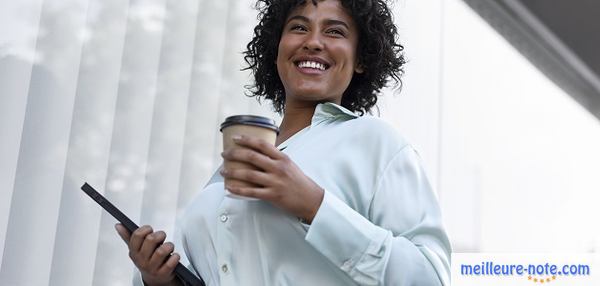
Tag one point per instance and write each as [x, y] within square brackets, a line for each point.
[379, 222]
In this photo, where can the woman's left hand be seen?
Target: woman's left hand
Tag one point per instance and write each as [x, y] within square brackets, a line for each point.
[282, 182]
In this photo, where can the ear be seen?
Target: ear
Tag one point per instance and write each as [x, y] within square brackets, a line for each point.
[359, 69]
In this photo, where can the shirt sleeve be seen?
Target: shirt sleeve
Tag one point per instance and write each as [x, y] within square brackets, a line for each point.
[402, 242]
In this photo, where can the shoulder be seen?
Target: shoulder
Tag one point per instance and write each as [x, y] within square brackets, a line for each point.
[377, 132]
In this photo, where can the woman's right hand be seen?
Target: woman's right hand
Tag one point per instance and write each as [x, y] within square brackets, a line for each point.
[150, 255]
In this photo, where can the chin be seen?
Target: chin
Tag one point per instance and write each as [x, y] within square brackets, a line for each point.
[312, 95]
[311, 91]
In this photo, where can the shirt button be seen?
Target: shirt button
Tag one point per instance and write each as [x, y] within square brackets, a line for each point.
[347, 265]
[224, 268]
[223, 218]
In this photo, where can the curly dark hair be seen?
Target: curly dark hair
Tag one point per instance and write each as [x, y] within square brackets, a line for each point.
[379, 53]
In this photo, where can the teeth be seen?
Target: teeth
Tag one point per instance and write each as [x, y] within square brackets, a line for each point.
[311, 64]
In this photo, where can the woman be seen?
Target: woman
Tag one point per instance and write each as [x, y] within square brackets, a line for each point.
[343, 198]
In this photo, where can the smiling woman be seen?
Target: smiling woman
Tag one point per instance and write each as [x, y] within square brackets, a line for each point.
[363, 28]
[342, 198]
[317, 54]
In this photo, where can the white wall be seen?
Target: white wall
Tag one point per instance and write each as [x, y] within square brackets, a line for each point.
[519, 156]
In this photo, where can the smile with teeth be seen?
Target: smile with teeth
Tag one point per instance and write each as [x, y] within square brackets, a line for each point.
[312, 65]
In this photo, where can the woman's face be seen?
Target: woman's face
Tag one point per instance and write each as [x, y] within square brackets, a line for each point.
[317, 53]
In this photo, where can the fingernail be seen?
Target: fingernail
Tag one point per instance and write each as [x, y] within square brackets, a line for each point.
[236, 137]
[223, 171]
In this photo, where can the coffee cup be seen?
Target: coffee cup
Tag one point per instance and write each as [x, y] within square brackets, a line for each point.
[250, 126]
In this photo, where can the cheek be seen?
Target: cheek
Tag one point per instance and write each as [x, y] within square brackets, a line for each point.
[278, 58]
[346, 55]
[348, 58]
[285, 46]
[283, 53]
[279, 62]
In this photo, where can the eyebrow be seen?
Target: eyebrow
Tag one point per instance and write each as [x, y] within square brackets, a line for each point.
[328, 22]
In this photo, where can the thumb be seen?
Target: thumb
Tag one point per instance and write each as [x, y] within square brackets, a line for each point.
[123, 232]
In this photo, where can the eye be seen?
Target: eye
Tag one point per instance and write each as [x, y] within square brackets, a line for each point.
[297, 27]
[336, 32]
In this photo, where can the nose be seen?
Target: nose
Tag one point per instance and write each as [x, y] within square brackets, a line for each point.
[313, 42]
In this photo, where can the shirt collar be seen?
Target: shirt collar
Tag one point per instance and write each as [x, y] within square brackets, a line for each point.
[331, 110]
[323, 111]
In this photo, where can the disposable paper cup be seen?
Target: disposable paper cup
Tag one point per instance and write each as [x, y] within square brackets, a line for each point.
[251, 126]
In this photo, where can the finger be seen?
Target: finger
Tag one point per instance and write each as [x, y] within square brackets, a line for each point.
[259, 193]
[160, 255]
[260, 145]
[150, 244]
[138, 236]
[252, 176]
[169, 266]
[250, 156]
[123, 232]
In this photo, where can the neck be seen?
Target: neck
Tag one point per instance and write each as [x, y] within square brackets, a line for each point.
[295, 118]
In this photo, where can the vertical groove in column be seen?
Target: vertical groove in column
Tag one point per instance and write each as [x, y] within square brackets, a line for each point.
[127, 164]
[223, 106]
[202, 119]
[89, 143]
[159, 205]
[43, 147]
[16, 62]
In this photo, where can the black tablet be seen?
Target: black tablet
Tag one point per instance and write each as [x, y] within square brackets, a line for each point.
[186, 276]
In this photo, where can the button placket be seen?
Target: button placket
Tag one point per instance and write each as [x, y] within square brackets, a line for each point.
[223, 245]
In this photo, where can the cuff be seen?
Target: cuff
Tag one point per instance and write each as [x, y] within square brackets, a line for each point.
[344, 236]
